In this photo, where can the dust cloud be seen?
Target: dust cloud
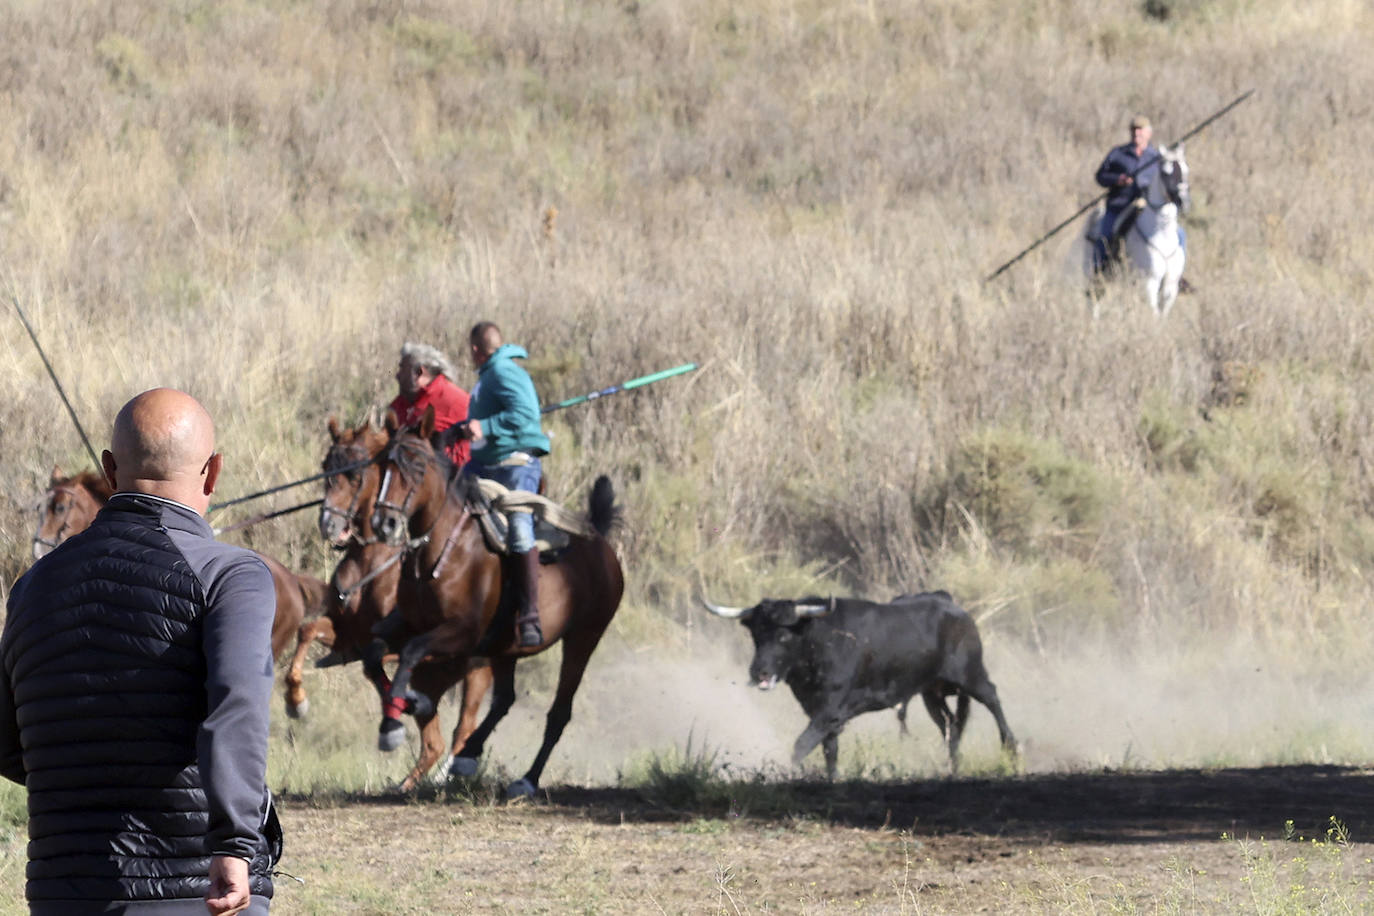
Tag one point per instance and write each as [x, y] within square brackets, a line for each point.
[1082, 708]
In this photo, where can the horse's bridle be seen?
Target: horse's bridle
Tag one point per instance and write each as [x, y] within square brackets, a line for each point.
[350, 514]
[1173, 185]
[57, 536]
[411, 458]
[408, 458]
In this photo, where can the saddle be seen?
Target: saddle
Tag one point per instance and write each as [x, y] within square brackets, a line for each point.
[489, 502]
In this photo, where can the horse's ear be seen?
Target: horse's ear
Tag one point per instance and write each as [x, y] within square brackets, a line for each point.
[57, 475]
[393, 422]
[427, 422]
[334, 429]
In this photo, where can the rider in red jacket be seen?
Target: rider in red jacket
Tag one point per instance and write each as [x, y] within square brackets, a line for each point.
[424, 379]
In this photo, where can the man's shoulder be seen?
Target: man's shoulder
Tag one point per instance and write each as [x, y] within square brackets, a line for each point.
[215, 561]
[446, 388]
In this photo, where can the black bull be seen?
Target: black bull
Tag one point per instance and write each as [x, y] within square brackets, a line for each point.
[843, 657]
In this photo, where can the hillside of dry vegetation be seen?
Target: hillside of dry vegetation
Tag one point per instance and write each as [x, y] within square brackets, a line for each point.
[259, 201]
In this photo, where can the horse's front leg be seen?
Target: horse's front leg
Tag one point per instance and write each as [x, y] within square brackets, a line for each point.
[1153, 279]
[1172, 277]
[297, 703]
[431, 743]
[395, 703]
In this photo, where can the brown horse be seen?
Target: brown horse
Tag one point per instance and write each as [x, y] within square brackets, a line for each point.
[450, 593]
[363, 592]
[71, 503]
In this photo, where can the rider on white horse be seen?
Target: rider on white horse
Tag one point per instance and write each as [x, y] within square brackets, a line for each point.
[1127, 171]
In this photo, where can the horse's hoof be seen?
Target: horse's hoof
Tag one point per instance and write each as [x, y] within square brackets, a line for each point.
[421, 706]
[521, 788]
[299, 711]
[463, 767]
[391, 734]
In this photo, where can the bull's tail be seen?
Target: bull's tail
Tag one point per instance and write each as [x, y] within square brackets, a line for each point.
[605, 515]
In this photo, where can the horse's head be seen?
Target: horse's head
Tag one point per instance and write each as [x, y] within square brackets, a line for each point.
[351, 486]
[1171, 184]
[67, 508]
[411, 479]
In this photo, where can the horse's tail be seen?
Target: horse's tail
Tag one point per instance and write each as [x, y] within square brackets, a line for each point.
[601, 507]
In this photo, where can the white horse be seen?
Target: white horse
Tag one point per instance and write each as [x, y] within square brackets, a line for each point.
[1154, 241]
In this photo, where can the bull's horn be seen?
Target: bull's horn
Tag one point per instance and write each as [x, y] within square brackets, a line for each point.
[734, 613]
[816, 610]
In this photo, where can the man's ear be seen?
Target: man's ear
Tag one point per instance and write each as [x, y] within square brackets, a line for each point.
[212, 469]
[107, 465]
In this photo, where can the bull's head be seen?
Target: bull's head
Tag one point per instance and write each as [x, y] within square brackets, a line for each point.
[778, 628]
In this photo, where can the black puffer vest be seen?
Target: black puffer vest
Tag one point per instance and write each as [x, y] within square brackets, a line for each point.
[110, 692]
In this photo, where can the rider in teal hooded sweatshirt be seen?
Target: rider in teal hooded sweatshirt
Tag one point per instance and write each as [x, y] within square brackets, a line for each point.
[504, 402]
[507, 443]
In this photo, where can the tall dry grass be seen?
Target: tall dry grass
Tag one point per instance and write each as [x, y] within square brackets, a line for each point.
[259, 201]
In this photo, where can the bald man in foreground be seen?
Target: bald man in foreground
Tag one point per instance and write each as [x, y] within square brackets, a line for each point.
[135, 674]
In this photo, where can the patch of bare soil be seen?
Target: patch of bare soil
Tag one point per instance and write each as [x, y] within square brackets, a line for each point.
[1089, 842]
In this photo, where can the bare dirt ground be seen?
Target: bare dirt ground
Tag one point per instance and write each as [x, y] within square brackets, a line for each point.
[1164, 841]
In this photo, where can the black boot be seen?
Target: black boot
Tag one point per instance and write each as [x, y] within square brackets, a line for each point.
[524, 581]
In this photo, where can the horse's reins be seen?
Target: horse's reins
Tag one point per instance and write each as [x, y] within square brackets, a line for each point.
[346, 594]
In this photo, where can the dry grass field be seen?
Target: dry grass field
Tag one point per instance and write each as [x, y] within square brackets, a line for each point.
[1163, 528]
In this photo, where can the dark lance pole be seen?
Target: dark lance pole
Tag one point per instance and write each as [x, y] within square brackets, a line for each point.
[286, 486]
[265, 516]
[53, 375]
[1098, 199]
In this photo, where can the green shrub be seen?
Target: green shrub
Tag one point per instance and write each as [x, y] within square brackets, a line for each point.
[1170, 434]
[1025, 494]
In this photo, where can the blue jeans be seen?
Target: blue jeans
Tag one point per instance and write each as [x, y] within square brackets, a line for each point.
[520, 534]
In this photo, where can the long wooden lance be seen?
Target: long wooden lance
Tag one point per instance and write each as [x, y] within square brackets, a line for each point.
[581, 399]
[53, 375]
[1099, 198]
